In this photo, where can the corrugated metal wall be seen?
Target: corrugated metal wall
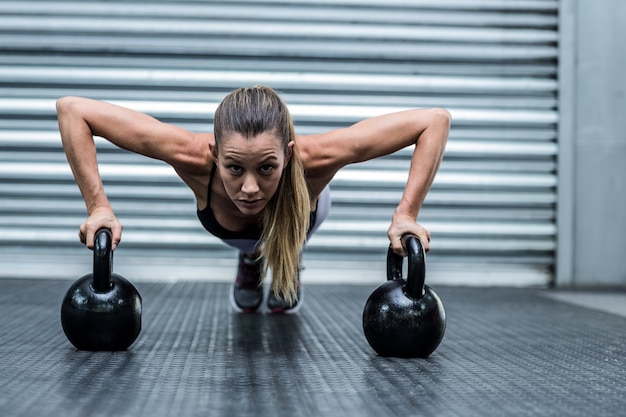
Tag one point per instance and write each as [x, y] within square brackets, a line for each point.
[491, 63]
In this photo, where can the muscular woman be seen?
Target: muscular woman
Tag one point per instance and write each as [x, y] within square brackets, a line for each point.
[258, 186]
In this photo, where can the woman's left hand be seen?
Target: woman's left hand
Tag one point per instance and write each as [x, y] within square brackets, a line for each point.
[403, 224]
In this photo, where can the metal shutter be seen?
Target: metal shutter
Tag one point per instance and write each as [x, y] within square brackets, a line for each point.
[492, 63]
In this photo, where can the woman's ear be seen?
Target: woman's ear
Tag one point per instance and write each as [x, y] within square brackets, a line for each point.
[290, 146]
[213, 151]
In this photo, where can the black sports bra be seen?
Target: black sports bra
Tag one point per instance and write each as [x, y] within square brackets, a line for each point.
[208, 220]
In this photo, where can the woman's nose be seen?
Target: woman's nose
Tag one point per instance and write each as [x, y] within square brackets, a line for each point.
[250, 185]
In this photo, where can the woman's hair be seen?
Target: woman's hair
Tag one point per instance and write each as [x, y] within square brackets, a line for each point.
[250, 112]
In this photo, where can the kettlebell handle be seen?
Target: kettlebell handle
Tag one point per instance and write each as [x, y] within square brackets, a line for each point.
[416, 266]
[102, 261]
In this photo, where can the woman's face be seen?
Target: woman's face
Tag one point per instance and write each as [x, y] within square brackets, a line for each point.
[251, 169]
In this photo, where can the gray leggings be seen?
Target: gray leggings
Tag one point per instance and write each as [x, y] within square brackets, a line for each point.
[323, 208]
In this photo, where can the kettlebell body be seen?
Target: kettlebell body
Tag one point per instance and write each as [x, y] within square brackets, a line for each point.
[404, 318]
[398, 325]
[102, 311]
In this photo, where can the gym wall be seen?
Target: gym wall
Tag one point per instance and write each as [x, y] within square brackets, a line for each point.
[493, 64]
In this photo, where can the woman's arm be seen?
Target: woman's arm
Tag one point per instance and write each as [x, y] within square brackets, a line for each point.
[427, 129]
[80, 119]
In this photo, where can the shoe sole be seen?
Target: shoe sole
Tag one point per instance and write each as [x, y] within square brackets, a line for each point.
[238, 309]
[293, 310]
[262, 308]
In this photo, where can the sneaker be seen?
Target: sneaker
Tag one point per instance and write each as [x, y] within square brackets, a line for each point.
[276, 305]
[247, 293]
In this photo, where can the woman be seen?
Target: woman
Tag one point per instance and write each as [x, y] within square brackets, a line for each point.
[258, 186]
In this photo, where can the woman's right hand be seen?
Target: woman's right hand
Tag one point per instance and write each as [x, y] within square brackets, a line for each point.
[100, 218]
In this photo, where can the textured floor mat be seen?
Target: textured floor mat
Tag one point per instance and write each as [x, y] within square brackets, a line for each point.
[506, 352]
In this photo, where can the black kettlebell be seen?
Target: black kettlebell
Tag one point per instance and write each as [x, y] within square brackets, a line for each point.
[404, 318]
[102, 311]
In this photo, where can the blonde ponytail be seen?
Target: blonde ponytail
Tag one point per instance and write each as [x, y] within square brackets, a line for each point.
[285, 226]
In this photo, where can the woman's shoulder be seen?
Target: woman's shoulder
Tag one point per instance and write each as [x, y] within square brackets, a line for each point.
[320, 159]
[197, 172]
[319, 151]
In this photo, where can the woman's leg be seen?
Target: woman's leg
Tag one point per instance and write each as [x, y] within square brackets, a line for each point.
[246, 294]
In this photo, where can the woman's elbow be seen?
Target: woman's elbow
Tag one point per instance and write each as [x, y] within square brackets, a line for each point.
[442, 116]
[70, 105]
[64, 104]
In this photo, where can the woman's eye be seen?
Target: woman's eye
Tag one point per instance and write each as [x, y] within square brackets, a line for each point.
[235, 169]
[267, 169]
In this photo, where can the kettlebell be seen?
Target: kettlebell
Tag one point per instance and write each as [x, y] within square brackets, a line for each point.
[404, 318]
[102, 311]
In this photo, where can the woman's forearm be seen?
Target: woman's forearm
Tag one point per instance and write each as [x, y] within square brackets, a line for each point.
[80, 151]
[427, 156]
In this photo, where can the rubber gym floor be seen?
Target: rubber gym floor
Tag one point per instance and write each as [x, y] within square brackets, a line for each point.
[506, 352]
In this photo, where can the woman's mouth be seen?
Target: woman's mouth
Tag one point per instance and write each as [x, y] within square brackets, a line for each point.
[250, 204]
